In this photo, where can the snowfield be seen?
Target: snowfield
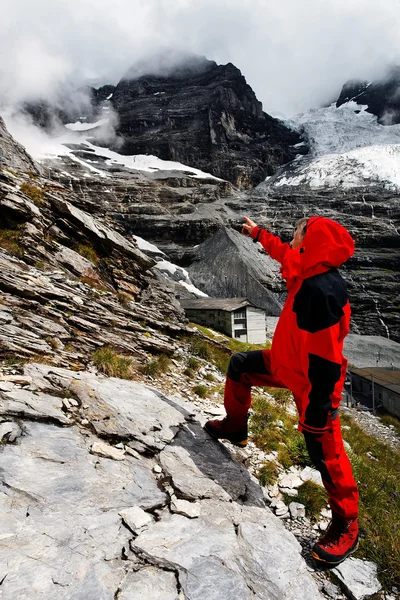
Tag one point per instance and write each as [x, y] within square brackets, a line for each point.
[348, 148]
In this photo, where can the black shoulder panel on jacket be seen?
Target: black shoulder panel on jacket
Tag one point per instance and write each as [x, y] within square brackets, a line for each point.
[319, 302]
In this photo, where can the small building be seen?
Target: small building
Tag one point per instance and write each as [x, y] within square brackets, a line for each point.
[377, 387]
[237, 317]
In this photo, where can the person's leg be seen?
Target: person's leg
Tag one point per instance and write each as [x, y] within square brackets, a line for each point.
[245, 370]
[327, 452]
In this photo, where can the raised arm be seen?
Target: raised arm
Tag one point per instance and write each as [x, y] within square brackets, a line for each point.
[271, 243]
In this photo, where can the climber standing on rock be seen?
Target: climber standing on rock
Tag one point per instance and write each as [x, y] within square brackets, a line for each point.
[305, 357]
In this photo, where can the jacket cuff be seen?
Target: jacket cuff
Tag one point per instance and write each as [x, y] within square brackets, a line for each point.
[255, 234]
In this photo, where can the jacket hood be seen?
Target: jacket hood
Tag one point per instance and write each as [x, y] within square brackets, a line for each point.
[326, 244]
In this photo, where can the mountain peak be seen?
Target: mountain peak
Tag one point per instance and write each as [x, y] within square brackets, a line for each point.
[381, 96]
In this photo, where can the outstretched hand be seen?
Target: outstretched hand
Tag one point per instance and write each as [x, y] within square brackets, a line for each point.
[248, 227]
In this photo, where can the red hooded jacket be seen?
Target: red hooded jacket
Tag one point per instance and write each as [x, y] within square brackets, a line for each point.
[306, 353]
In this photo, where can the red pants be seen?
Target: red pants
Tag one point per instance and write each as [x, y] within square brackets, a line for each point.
[325, 446]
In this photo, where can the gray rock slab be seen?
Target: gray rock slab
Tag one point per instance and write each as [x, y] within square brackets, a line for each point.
[135, 517]
[73, 261]
[358, 578]
[209, 577]
[244, 548]
[202, 468]
[61, 533]
[150, 583]
[53, 465]
[117, 407]
[272, 565]
[24, 403]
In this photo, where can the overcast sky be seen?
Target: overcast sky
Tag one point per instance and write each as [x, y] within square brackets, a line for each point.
[294, 53]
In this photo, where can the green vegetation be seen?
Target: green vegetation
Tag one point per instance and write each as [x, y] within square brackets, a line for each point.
[108, 361]
[209, 377]
[193, 363]
[313, 497]
[201, 390]
[34, 193]
[10, 241]
[268, 434]
[378, 481]
[87, 252]
[268, 473]
[156, 366]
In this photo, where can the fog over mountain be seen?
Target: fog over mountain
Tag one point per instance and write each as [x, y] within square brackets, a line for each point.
[294, 55]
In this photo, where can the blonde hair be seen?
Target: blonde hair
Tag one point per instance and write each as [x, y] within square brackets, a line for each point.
[302, 224]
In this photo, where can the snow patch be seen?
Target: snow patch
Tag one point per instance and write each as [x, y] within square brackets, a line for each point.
[348, 148]
[78, 126]
[180, 276]
[147, 246]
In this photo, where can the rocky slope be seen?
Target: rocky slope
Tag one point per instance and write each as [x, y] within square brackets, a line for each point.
[108, 487]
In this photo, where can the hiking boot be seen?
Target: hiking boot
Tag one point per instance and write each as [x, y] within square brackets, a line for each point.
[339, 541]
[233, 429]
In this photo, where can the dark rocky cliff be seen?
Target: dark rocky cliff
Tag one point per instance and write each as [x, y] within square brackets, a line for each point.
[228, 264]
[205, 116]
[382, 96]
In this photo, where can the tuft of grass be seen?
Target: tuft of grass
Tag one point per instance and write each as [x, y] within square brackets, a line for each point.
[109, 362]
[263, 424]
[379, 503]
[201, 390]
[193, 363]
[268, 473]
[124, 298]
[87, 252]
[314, 498]
[209, 377]
[281, 395]
[34, 193]
[10, 241]
[218, 355]
[156, 366]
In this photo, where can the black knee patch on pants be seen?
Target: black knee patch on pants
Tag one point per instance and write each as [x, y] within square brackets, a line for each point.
[246, 362]
[315, 452]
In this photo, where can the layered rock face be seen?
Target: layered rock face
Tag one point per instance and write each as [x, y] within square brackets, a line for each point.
[382, 97]
[71, 283]
[203, 115]
[12, 154]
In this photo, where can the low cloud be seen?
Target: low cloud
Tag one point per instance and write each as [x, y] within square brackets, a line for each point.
[294, 54]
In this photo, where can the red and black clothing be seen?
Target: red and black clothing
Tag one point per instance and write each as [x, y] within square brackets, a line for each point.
[306, 354]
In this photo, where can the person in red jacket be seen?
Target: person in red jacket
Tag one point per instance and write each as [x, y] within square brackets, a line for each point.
[305, 357]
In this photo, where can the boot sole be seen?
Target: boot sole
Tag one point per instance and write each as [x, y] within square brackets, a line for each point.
[331, 562]
[240, 444]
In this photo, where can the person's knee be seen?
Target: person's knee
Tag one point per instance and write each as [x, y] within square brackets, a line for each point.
[236, 366]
